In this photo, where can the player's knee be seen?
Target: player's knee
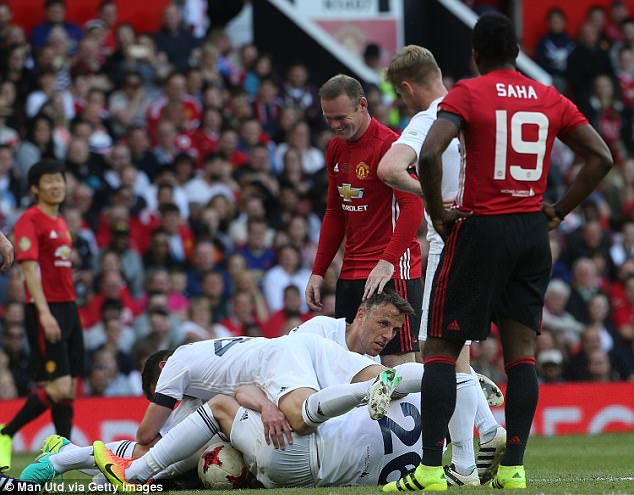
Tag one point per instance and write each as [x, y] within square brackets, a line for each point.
[391, 360]
[61, 388]
[368, 373]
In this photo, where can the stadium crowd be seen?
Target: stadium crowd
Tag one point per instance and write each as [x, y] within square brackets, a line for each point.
[196, 186]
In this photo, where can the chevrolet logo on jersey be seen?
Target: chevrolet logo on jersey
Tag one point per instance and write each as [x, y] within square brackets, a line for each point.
[347, 192]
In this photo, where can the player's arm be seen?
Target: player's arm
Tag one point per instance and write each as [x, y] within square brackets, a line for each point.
[330, 237]
[587, 143]
[155, 417]
[442, 131]
[49, 324]
[7, 252]
[407, 224]
[276, 425]
[393, 169]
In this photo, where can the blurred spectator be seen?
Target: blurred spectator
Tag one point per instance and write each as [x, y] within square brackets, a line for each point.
[587, 61]
[241, 317]
[297, 91]
[312, 158]
[610, 117]
[110, 286]
[203, 260]
[15, 347]
[97, 335]
[105, 379]
[585, 284]
[38, 144]
[54, 15]
[129, 104]
[288, 271]
[618, 13]
[213, 289]
[554, 47]
[599, 367]
[291, 309]
[208, 182]
[131, 262]
[199, 324]
[259, 257]
[550, 366]
[555, 317]
[246, 283]
[174, 39]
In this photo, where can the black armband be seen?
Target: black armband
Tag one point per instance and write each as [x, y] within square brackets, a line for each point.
[451, 117]
[164, 400]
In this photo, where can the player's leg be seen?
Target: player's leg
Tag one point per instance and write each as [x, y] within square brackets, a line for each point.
[519, 317]
[183, 440]
[455, 315]
[492, 436]
[69, 457]
[462, 470]
[51, 366]
[403, 347]
[62, 410]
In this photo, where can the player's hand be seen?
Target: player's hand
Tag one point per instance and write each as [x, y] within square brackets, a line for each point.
[380, 275]
[445, 223]
[552, 216]
[313, 292]
[7, 252]
[51, 328]
[275, 426]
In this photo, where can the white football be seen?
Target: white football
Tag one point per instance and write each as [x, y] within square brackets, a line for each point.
[221, 467]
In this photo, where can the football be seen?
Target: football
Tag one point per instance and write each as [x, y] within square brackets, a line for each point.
[221, 467]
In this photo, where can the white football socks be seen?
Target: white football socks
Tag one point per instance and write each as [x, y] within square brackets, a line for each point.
[72, 456]
[186, 438]
[485, 422]
[333, 401]
[461, 423]
[411, 377]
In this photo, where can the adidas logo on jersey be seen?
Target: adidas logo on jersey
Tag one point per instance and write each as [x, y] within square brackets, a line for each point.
[53, 235]
[245, 416]
[453, 326]
[336, 169]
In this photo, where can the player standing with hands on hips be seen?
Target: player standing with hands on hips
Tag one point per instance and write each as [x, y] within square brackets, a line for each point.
[379, 223]
[51, 318]
[496, 261]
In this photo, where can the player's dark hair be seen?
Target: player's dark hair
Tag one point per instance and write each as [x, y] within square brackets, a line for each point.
[389, 296]
[43, 167]
[339, 85]
[152, 370]
[494, 39]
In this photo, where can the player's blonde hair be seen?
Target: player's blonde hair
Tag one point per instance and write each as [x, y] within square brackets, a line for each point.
[413, 63]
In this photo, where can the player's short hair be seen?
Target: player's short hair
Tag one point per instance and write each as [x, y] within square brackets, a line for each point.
[151, 371]
[339, 85]
[412, 63]
[389, 296]
[43, 167]
[494, 39]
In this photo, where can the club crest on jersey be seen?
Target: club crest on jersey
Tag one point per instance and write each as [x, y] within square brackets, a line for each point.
[362, 170]
[348, 193]
[24, 244]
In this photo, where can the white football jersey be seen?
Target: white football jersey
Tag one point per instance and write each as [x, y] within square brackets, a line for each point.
[355, 450]
[329, 328]
[204, 369]
[413, 136]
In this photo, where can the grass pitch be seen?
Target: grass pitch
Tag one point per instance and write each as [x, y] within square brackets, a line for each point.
[585, 465]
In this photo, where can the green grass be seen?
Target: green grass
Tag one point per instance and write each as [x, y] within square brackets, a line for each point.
[592, 465]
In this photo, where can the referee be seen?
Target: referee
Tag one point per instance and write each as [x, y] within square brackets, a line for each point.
[51, 318]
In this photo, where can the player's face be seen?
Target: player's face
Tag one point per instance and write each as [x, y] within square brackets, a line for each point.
[344, 117]
[380, 325]
[51, 189]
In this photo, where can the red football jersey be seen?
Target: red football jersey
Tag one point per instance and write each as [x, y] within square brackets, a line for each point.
[378, 221]
[509, 125]
[46, 240]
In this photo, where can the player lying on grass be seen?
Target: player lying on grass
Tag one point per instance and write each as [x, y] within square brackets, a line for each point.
[292, 370]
